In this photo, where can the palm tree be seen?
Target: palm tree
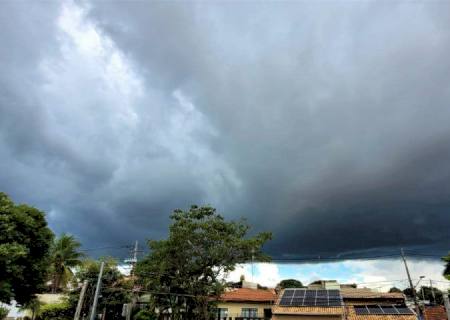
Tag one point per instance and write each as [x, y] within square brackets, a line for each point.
[65, 255]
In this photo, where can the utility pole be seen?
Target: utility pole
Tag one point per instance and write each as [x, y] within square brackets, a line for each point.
[135, 251]
[446, 303]
[80, 301]
[97, 292]
[253, 258]
[132, 274]
[432, 291]
[413, 290]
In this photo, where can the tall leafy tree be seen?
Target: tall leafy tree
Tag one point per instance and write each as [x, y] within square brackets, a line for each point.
[446, 272]
[65, 255]
[115, 288]
[290, 283]
[187, 268]
[25, 241]
[426, 293]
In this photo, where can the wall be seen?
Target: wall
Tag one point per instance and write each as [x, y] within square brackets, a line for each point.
[305, 317]
[234, 308]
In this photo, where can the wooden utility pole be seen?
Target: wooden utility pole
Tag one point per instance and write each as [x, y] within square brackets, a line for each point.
[97, 292]
[413, 290]
[80, 301]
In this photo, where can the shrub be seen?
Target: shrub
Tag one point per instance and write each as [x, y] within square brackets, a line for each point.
[55, 311]
[144, 315]
[3, 313]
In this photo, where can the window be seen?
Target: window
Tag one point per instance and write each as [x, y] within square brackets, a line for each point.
[223, 313]
[249, 312]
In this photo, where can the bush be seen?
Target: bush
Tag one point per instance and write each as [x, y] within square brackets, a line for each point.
[3, 313]
[55, 311]
[144, 315]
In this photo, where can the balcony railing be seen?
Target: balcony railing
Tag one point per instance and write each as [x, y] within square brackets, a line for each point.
[244, 317]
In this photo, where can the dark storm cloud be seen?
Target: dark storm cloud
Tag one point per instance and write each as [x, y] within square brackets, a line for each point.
[325, 123]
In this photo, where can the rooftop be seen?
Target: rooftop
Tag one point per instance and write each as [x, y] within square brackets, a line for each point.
[351, 315]
[365, 293]
[308, 310]
[249, 295]
[435, 313]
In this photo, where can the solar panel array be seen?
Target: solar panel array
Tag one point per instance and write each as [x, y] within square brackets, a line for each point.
[376, 309]
[311, 298]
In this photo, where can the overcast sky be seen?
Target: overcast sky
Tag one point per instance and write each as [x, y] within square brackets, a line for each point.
[326, 123]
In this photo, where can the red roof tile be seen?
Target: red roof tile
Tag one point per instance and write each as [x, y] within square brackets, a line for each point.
[249, 295]
[435, 313]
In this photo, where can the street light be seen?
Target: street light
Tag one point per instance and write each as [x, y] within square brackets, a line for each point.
[420, 279]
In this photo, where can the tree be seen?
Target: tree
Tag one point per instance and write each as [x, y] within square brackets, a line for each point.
[34, 306]
[55, 311]
[395, 289]
[446, 272]
[3, 312]
[65, 255]
[408, 292]
[427, 294]
[25, 242]
[188, 267]
[115, 289]
[290, 283]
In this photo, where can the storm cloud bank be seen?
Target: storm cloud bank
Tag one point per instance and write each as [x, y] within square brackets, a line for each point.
[328, 124]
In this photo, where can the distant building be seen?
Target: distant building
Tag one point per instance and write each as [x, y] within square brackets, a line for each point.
[246, 303]
[325, 284]
[348, 303]
[364, 303]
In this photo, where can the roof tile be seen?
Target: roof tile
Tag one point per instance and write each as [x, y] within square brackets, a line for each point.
[435, 313]
[246, 294]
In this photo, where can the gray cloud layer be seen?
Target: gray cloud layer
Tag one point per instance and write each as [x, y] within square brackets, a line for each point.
[325, 123]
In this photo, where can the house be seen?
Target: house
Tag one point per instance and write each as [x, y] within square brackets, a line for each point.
[325, 284]
[246, 304]
[364, 303]
[308, 304]
[347, 303]
[361, 296]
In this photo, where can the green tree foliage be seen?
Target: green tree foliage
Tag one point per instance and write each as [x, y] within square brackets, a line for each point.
[34, 306]
[65, 255]
[446, 272]
[290, 283]
[145, 315]
[25, 242]
[115, 289]
[55, 311]
[395, 289]
[191, 262]
[3, 313]
[408, 292]
[427, 294]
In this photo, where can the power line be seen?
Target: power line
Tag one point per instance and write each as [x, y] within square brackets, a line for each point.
[106, 247]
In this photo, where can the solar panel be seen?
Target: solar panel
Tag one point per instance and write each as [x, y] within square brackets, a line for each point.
[389, 309]
[305, 297]
[403, 310]
[361, 310]
[285, 301]
[376, 309]
[289, 292]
